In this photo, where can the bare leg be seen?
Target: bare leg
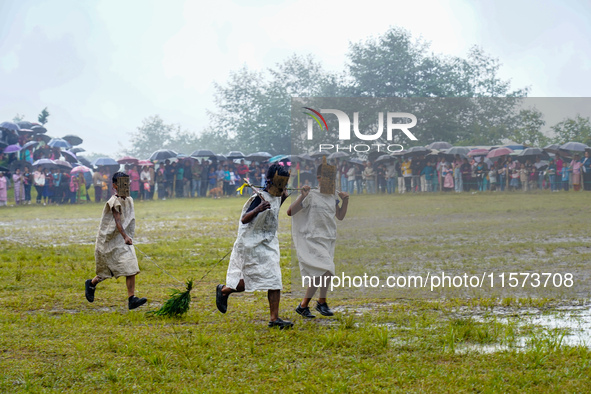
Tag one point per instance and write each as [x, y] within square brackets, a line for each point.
[96, 280]
[226, 291]
[308, 296]
[130, 282]
[274, 296]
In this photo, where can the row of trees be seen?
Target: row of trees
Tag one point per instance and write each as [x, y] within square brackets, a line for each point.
[253, 108]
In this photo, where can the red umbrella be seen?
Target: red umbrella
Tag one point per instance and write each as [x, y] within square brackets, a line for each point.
[478, 152]
[145, 163]
[80, 169]
[503, 151]
[127, 160]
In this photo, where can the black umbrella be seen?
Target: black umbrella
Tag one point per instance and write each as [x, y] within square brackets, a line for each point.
[357, 161]
[574, 146]
[30, 143]
[338, 155]
[42, 137]
[235, 154]
[303, 157]
[77, 150]
[25, 132]
[162, 154]
[85, 162]
[533, 152]
[47, 163]
[20, 164]
[319, 154]
[63, 164]
[23, 124]
[552, 148]
[9, 126]
[418, 151]
[202, 153]
[220, 157]
[59, 143]
[385, 159]
[73, 139]
[439, 145]
[259, 156]
[39, 129]
[69, 156]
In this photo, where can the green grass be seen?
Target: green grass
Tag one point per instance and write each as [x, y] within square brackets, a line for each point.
[53, 340]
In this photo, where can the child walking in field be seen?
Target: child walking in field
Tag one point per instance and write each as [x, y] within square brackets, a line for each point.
[114, 253]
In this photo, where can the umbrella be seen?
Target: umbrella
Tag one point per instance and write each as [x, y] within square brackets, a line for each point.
[162, 154]
[44, 163]
[457, 150]
[9, 126]
[59, 143]
[277, 158]
[69, 156]
[203, 153]
[235, 154]
[552, 148]
[73, 139]
[63, 164]
[42, 137]
[220, 157]
[12, 148]
[531, 154]
[258, 156]
[23, 124]
[357, 161]
[39, 129]
[84, 161]
[303, 157]
[319, 154]
[145, 163]
[499, 152]
[477, 152]
[400, 153]
[30, 143]
[79, 169]
[77, 150]
[127, 160]
[104, 161]
[574, 146]
[439, 145]
[385, 158]
[21, 164]
[25, 131]
[338, 155]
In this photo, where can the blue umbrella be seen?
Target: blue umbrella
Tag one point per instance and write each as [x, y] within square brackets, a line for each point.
[59, 143]
[278, 158]
[104, 161]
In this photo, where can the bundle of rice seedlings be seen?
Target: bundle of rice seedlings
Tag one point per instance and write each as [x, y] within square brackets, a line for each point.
[178, 303]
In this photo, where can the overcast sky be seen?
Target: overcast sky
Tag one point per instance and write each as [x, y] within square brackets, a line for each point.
[102, 66]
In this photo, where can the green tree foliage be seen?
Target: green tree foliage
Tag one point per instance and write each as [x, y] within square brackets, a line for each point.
[18, 118]
[527, 131]
[577, 129]
[253, 108]
[43, 116]
[154, 134]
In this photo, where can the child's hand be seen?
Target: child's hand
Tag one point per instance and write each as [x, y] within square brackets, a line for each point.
[343, 195]
[128, 240]
[263, 206]
[305, 190]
